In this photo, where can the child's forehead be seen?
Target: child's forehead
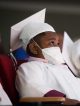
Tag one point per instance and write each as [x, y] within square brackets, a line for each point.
[49, 35]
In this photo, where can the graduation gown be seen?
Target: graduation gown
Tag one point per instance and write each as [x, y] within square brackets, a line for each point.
[4, 100]
[37, 77]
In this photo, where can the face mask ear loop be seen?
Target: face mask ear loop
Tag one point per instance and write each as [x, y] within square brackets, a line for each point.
[37, 44]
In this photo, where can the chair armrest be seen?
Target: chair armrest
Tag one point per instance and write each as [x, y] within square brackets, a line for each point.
[42, 99]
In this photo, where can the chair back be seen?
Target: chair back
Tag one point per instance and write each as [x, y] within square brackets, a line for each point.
[7, 76]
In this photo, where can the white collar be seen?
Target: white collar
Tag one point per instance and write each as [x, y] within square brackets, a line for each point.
[37, 59]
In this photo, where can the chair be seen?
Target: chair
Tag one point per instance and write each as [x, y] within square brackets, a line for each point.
[7, 75]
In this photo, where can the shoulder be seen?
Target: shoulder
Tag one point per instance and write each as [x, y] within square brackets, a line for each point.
[32, 64]
[29, 71]
[33, 67]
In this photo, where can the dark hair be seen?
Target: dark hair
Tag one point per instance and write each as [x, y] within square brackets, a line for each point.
[28, 49]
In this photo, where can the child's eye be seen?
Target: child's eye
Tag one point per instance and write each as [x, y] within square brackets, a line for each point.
[52, 43]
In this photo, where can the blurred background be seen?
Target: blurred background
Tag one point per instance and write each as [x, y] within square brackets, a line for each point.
[63, 15]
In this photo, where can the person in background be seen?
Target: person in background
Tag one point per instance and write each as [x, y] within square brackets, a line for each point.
[75, 55]
[4, 99]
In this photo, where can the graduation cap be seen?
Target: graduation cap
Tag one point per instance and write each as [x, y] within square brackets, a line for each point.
[24, 31]
[16, 29]
[66, 52]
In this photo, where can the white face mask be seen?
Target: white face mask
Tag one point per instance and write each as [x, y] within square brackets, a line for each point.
[53, 55]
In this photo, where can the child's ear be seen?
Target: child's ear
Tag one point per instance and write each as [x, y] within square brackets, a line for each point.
[33, 48]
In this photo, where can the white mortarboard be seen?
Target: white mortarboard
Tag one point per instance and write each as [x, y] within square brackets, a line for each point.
[66, 52]
[17, 28]
[32, 29]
